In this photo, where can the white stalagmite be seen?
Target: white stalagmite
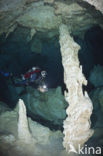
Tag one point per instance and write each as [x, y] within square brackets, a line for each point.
[77, 124]
[24, 134]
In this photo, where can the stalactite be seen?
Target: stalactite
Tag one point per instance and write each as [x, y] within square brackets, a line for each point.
[77, 124]
[32, 33]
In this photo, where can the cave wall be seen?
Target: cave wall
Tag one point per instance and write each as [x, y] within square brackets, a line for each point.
[14, 13]
[46, 17]
[97, 3]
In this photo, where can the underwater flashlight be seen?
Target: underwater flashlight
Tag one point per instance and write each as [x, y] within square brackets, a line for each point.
[44, 86]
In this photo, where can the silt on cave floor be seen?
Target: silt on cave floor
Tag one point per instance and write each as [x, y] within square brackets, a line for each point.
[58, 37]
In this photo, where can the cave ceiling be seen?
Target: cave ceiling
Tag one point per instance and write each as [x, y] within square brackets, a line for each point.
[46, 16]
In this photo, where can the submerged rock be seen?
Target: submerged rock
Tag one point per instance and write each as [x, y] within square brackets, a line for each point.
[44, 142]
[40, 132]
[36, 46]
[76, 16]
[96, 76]
[97, 3]
[96, 96]
[9, 11]
[3, 107]
[42, 18]
[8, 123]
[49, 106]
[49, 1]
[41, 15]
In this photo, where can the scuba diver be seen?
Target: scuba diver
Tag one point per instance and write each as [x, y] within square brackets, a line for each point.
[30, 76]
[33, 77]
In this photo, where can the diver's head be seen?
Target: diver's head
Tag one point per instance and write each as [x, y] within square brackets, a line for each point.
[43, 73]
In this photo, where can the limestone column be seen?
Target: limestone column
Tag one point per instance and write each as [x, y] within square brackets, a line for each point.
[77, 124]
[24, 134]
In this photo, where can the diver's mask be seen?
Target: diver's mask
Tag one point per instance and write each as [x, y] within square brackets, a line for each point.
[43, 73]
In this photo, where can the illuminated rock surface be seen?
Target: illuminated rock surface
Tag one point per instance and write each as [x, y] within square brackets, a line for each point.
[18, 141]
[49, 106]
[49, 1]
[77, 125]
[97, 3]
[3, 107]
[42, 17]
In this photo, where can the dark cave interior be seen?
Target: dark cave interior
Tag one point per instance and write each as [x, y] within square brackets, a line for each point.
[16, 57]
[91, 52]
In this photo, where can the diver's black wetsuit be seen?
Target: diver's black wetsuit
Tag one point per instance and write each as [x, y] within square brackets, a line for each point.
[33, 81]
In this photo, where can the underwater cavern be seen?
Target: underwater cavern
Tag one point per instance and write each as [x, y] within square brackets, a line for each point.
[51, 77]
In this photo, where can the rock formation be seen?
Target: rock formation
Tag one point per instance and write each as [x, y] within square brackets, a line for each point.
[36, 46]
[32, 33]
[44, 17]
[96, 76]
[24, 134]
[49, 1]
[41, 18]
[36, 141]
[77, 125]
[49, 106]
[4, 107]
[97, 3]
[96, 96]
[73, 13]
